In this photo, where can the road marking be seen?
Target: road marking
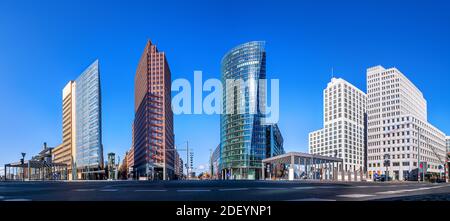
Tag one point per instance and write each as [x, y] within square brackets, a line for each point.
[312, 199]
[234, 189]
[331, 187]
[14, 200]
[150, 190]
[109, 190]
[355, 195]
[391, 192]
[362, 186]
[193, 190]
[271, 188]
[304, 188]
[408, 190]
[84, 190]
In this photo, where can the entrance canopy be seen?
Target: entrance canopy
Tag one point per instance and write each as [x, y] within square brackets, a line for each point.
[290, 157]
[35, 170]
[296, 165]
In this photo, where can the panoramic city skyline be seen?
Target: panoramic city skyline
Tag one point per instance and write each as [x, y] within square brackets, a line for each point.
[303, 74]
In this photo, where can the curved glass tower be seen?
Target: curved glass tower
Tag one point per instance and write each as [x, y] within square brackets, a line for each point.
[243, 136]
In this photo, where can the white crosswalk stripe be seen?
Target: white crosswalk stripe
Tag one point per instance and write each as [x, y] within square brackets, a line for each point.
[408, 190]
[150, 190]
[193, 190]
[271, 188]
[304, 188]
[332, 187]
[234, 189]
[109, 190]
[14, 200]
[312, 199]
[355, 195]
[84, 190]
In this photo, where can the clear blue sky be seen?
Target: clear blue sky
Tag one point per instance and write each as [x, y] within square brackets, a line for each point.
[44, 44]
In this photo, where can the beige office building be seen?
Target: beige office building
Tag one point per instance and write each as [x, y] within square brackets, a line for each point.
[343, 134]
[65, 153]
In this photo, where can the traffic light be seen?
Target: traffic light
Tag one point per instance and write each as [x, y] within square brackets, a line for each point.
[421, 165]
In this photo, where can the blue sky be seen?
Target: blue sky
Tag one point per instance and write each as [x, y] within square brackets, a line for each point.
[44, 44]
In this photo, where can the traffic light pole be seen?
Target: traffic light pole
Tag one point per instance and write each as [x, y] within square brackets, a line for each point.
[23, 166]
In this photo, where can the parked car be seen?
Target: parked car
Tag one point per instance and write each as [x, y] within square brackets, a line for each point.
[381, 178]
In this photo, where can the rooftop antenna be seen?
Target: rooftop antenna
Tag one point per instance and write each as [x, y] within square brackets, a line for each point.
[332, 72]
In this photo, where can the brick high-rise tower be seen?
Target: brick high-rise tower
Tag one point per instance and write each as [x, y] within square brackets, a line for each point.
[153, 137]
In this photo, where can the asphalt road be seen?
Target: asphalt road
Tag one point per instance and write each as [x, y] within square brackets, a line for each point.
[220, 191]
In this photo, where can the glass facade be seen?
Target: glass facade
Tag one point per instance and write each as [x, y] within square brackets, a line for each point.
[88, 139]
[275, 141]
[243, 136]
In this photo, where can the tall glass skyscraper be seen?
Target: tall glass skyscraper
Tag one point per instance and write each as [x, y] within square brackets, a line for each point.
[88, 139]
[245, 140]
[81, 147]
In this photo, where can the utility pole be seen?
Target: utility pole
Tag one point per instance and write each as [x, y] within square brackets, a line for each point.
[187, 160]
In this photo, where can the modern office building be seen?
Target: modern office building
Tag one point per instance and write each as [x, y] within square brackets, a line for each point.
[130, 162]
[178, 166]
[153, 137]
[399, 135]
[215, 158]
[65, 152]
[244, 142]
[447, 139]
[82, 148]
[88, 128]
[180, 169]
[344, 121]
[274, 141]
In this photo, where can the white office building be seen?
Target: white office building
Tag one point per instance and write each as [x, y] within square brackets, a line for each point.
[343, 135]
[448, 143]
[398, 130]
